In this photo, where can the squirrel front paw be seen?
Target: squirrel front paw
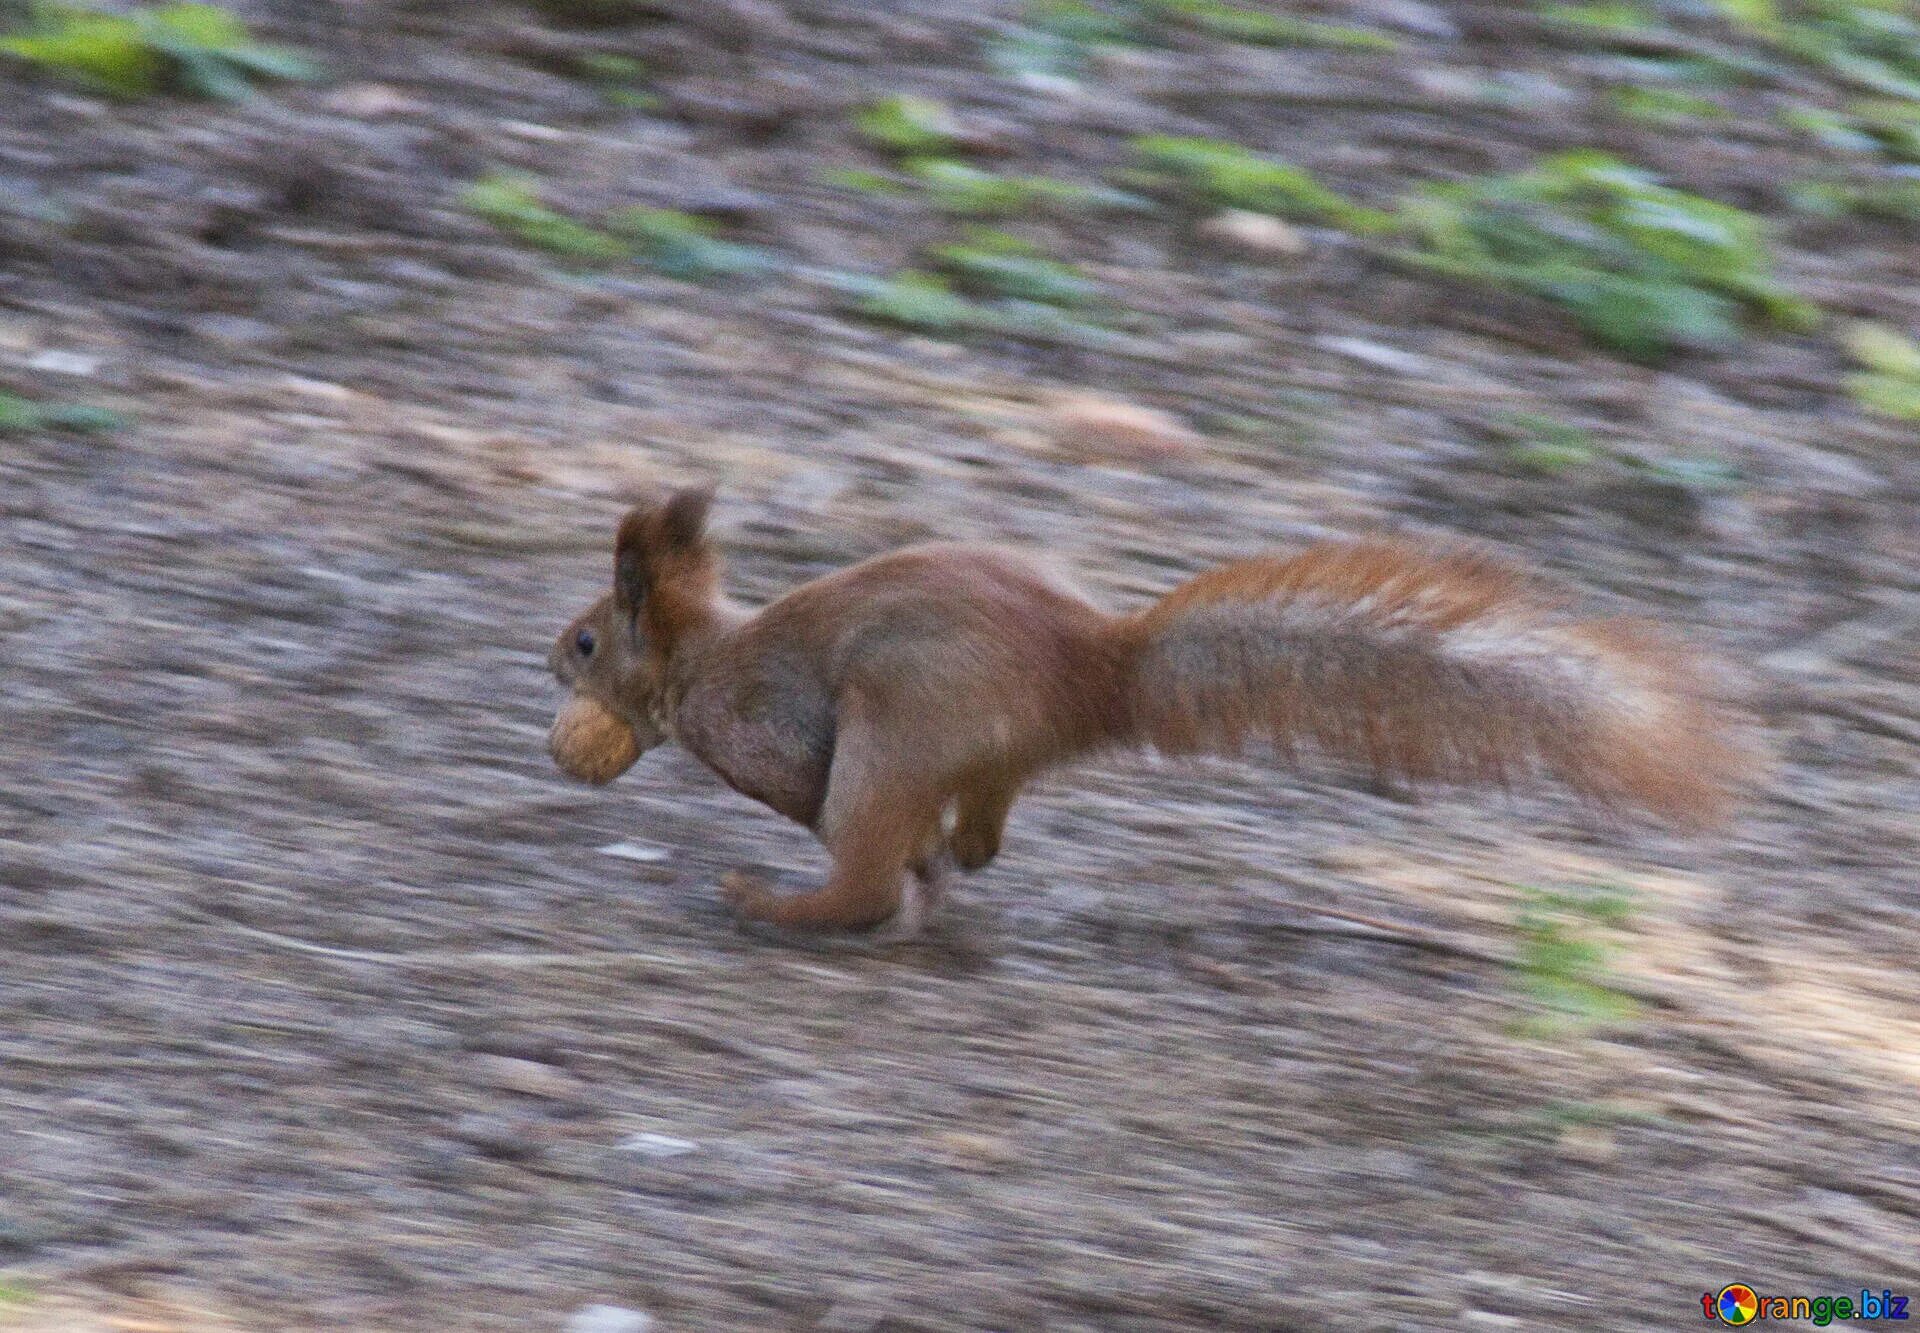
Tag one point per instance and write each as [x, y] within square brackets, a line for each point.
[973, 848]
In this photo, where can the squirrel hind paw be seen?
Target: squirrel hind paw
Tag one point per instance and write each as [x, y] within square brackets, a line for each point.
[919, 897]
[746, 897]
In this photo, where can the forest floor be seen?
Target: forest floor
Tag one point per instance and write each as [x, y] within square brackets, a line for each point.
[327, 1003]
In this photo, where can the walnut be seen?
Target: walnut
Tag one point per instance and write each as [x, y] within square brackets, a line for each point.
[592, 742]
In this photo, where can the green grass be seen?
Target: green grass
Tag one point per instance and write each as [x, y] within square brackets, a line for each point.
[960, 189]
[19, 414]
[908, 126]
[1892, 198]
[963, 190]
[1221, 174]
[511, 202]
[1889, 379]
[1560, 964]
[1546, 445]
[918, 300]
[1079, 21]
[1873, 45]
[1870, 45]
[993, 263]
[1643, 268]
[682, 245]
[620, 80]
[1055, 39]
[989, 281]
[1562, 1113]
[862, 181]
[1689, 472]
[1604, 16]
[197, 48]
[1832, 129]
[1241, 23]
[677, 244]
[1655, 105]
[982, 288]
[1885, 127]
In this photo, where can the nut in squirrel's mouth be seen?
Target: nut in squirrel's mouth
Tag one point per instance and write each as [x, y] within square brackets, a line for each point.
[593, 743]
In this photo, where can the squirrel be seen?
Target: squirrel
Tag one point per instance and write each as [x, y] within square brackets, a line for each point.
[897, 707]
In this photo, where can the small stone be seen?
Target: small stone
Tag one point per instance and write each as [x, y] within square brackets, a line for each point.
[1096, 427]
[233, 331]
[1536, 90]
[1593, 1144]
[1254, 233]
[55, 361]
[371, 101]
[657, 1145]
[528, 1077]
[534, 132]
[1412, 16]
[1453, 85]
[979, 1152]
[644, 852]
[608, 1319]
[1376, 354]
[311, 388]
[853, 1316]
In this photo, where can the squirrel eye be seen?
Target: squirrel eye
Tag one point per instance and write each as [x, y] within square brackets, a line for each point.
[584, 642]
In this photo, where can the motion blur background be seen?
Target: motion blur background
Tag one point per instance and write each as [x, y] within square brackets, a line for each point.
[333, 337]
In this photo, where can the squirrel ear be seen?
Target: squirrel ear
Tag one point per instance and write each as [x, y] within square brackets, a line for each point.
[683, 518]
[629, 563]
[651, 530]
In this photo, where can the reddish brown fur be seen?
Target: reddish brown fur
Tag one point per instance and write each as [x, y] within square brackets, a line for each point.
[665, 568]
[1429, 664]
[940, 679]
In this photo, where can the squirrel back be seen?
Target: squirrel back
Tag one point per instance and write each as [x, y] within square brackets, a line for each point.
[1427, 664]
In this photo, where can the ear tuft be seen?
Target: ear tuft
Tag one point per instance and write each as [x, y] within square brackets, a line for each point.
[652, 530]
[683, 518]
[629, 559]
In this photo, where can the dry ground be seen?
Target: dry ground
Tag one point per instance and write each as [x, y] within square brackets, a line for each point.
[324, 1005]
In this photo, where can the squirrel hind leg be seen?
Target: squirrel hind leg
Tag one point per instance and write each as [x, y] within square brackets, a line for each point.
[879, 836]
[882, 819]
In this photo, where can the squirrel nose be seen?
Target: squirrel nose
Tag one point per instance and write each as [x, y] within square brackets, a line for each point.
[560, 664]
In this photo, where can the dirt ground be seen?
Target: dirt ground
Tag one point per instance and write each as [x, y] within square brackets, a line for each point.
[327, 1003]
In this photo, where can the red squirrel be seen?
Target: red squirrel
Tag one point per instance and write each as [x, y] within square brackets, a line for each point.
[897, 707]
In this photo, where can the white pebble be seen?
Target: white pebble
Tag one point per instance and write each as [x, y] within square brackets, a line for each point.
[608, 1319]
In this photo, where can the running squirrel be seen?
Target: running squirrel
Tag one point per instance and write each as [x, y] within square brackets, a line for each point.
[897, 707]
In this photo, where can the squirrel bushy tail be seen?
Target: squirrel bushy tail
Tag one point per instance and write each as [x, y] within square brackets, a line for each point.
[1427, 665]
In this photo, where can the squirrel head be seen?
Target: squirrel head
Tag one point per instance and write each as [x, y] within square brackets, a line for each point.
[612, 656]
